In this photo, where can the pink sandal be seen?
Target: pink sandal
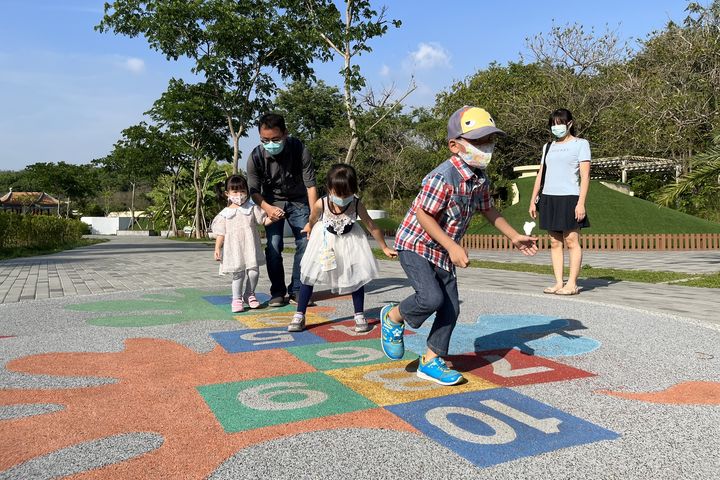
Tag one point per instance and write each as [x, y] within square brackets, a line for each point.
[252, 301]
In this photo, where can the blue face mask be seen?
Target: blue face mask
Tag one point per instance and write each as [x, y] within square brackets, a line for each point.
[274, 148]
[340, 201]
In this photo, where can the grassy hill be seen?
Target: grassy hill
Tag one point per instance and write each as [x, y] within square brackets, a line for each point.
[609, 212]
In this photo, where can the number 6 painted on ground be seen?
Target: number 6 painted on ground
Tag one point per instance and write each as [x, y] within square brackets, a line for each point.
[261, 397]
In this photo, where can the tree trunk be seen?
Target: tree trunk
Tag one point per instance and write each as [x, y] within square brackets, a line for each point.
[350, 156]
[236, 153]
[198, 196]
[132, 207]
[172, 200]
[347, 91]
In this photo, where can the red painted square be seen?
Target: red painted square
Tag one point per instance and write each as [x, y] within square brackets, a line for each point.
[345, 331]
[511, 368]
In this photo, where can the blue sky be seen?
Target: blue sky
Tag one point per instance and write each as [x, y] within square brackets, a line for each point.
[67, 91]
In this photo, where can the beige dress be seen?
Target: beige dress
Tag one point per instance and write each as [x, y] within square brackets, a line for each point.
[241, 246]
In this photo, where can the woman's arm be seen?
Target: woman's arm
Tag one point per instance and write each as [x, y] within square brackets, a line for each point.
[584, 187]
[532, 208]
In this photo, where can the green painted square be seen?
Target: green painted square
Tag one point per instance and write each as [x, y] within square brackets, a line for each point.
[335, 355]
[241, 406]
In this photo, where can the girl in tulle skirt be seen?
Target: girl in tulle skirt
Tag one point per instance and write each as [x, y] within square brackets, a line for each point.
[338, 254]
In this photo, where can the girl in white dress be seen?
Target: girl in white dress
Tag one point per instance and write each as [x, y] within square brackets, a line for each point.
[237, 244]
[338, 254]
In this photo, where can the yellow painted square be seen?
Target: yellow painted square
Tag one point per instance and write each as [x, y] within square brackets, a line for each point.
[391, 384]
[278, 319]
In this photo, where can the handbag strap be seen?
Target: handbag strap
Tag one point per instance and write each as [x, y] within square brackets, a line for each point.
[544, 165]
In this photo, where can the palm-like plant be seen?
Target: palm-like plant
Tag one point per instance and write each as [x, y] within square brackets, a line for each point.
[705, 173]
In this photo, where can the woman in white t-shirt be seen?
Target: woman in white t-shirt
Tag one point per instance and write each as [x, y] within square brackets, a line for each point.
[561, 201]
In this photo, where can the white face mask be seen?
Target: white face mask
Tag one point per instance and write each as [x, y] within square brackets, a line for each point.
[559, 130]
[238, 199]
[477, 157]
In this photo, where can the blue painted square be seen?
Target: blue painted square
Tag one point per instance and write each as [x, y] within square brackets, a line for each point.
[253, 340]
[532, 334]
[490, 427]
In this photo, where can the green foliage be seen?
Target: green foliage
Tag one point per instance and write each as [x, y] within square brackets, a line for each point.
[310, 108]
[239, 47]
[64, 180]
[698, 190]
[348, 37]
[647, 185]
[38, 231]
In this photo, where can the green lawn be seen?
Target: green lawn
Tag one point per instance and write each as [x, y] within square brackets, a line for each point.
[7, 253]
[609, 212]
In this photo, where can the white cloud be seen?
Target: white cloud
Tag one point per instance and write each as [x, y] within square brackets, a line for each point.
[384, 71]
[134, 65]
[429, 55]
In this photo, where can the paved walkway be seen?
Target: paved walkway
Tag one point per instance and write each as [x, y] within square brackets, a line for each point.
[109, 370]
[136, 264]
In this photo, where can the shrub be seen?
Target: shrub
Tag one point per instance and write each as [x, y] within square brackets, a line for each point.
[38, 231]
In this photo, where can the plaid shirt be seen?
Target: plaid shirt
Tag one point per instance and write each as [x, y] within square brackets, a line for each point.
[451, 194]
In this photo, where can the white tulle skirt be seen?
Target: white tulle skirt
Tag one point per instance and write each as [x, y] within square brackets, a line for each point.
[356, 265]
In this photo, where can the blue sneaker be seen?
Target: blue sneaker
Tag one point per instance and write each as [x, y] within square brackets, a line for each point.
[391, 337]
[437, 371]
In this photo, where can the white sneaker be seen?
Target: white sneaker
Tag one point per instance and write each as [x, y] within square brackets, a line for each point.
[361, 324]
[297, 324]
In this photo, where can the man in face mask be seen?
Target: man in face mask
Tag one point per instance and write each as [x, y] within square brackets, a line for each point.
[429, 242]
[281, 180]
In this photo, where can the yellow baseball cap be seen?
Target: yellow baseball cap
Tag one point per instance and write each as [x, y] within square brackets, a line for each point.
[472, 123]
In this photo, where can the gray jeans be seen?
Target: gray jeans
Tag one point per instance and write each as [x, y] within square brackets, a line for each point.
[435, 291]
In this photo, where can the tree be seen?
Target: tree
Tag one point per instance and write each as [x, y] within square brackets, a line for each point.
[74, 183]
[309, 109]
[138, 157]
[189, 114]
[236, 45]
[349, 38]
[673, 89]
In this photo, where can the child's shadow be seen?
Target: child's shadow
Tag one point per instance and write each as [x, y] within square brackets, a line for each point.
[519, 337]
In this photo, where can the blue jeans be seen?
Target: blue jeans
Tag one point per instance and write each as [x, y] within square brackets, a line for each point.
[435, 291]
[297, 215]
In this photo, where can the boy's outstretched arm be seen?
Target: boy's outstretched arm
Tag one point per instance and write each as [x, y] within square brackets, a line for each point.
[458, 254]
[375, 231]
[527, 245]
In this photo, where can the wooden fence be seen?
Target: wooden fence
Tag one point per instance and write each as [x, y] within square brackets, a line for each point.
[616, 242]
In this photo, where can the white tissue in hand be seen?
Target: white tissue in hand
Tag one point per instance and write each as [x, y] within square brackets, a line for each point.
[528, 227]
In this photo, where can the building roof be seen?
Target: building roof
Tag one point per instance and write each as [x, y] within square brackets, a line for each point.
[28, 198]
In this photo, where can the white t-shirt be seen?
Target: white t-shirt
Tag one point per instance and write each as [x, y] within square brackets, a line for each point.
[563, 167]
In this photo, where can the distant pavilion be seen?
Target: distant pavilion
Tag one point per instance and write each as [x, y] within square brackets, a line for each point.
[34, 203]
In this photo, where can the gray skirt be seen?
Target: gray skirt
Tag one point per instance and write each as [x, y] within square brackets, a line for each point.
[557, 213]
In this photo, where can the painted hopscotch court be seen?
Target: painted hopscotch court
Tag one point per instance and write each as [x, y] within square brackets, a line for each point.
[163, 406]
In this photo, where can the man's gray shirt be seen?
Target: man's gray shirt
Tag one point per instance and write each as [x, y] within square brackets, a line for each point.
[284, 177]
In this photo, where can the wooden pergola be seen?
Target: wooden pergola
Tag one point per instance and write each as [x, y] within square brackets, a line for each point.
[620, 166]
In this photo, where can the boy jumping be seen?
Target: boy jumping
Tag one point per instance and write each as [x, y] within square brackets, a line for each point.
[428, 241]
